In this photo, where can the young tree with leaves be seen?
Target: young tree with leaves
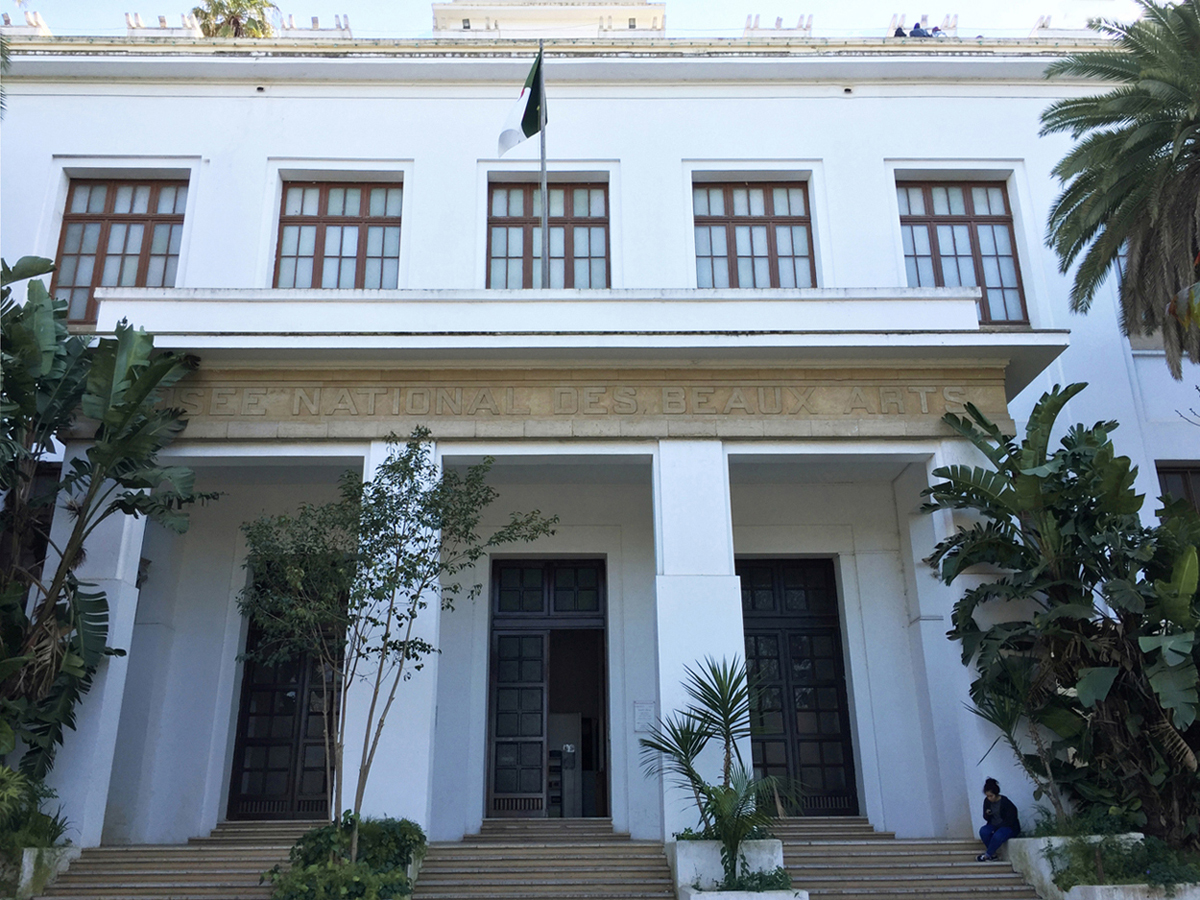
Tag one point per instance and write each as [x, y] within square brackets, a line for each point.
[1132, 180]
[53, 628]
[386, 551]
[1094, 681]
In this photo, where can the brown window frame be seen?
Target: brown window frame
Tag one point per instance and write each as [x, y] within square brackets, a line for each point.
[770, 219]
[529, 221]
[972, 221]
[1191, 482]
[322, 220]
[107, 218]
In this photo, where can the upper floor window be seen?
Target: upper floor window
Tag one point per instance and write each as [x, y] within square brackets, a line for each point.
[117, 233]
[578, 236]
[339, 235]
[1180, 483]
[961, 235]
[753, 235]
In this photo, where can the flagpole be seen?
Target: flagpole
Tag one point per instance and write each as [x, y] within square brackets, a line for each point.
[541, 101]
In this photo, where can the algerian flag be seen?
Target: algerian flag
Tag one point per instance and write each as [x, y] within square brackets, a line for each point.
[523, 119]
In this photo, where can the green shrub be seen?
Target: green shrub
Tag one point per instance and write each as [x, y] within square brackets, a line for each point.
[774, 880]
[320, 867]
[708, 834]
[1090, 820]
[1112, 861]
[338, 880]
[23, 824]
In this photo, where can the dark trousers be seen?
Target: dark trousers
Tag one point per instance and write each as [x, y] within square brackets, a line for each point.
[994, 838]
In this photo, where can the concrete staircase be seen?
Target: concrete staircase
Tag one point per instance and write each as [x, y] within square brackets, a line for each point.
[846, 859]
[545, 859]
[225, 865]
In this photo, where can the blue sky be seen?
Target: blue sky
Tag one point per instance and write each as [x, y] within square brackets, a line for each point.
[685, 18]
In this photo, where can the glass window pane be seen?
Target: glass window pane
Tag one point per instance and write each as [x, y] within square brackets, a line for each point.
[289, 243]
[979, 199]
[161, 239]
[779, 198]
[292, 202]
[719, 241]
[597, 203]
[391, 240]
[741, 202]
[74, 238]
[376, 203]
[759, 236]
[304, 272]
[581, 242]
[123, 201]
[599, 272]
[598, 242]
[699, 202]
[941, 203]
[353, 201]
[349, 269]
[96, 197]
[129, 266]
[787, 272]
[91, 237]
[703, 244]
[395, 201]
[499, 269]
[116, 238]
[704, 277]
[391, 274]
[558, 241]
[579, 202]
[996, 201]
[762, 272]
[499, 202]
[141, 199]
[111, 271]
[337, 201]
[79, 198]
[958, 206]
[375, 239]
[312, 201]
[308, 240]
[516, 202]
[716, 201]
[798, 206]
[758, 204]
[741, 236]
[180, 199]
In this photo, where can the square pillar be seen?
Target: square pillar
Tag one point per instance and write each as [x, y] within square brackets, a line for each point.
[400, 783]
[83, 765]
[698, 596]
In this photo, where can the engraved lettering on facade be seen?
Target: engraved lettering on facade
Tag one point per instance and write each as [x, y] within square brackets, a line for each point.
[192, 401]
[254, 401]
[311, 402]
[955, 398]
[923, 392]
[625, 401]
[775, 407]
[343, 403]
[801, 398]
[674, 401]
[483, 400]
[737, 400]
[566, 401]
[223, 402]
[702, 401]
[858, 400]
[590, 398]
[371, 393]
[891, 397]
[417, 403]
[450, 401]
[510, 404]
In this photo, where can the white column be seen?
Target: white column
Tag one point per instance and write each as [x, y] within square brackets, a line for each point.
[400, 783]
[83, 765]
[699, 606]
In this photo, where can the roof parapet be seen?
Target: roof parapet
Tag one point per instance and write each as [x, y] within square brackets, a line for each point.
[136, 28]
[803, 28]
[339, 32]
[1044, 30]
[35, 26]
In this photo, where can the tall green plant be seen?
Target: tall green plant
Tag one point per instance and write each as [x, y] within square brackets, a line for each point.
[235, 18]
[719, 712]
[401, 541]
[53, 627]
[1131, 183]
[1091, 676]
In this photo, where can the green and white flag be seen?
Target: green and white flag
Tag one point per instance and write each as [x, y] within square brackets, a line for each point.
[524, 119]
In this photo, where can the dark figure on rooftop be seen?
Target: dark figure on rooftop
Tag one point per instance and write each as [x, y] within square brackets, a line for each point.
[918, 31]
[899, 33]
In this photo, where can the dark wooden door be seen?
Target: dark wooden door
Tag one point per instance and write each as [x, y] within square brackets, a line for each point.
[519, 724]
[279, 756]
[801, 722]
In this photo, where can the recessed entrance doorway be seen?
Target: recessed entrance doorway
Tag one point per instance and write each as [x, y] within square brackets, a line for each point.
[800, 726]
[548, 726]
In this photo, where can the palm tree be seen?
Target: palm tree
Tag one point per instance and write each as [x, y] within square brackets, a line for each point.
[235, 18]
[1131, 198]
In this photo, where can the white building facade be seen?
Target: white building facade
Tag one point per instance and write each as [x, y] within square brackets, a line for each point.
[730, 397]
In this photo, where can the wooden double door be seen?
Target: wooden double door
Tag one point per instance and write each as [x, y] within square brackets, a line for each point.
[801, 720]
[547, 729]
[279, 767]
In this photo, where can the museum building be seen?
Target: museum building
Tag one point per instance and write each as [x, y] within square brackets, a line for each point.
[776, 262]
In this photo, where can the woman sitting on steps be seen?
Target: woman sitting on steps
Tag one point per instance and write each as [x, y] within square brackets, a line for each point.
[1000, 816]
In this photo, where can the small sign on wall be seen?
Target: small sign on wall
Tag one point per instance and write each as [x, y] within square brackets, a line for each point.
[643, 717]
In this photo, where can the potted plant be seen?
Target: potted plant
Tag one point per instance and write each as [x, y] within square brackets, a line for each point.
[731, 855]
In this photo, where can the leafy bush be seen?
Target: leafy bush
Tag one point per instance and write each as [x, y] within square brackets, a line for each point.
[23, 824]
[338, 880]
[707, 834]
[776, 880]
[320, 867]
[1113, 861]
[1088, 820]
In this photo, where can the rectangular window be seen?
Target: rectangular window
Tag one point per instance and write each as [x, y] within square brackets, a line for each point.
[117, 233]
[1180, 483]
[754, 235]
[578, 236]
[961, 235]
[339, 235]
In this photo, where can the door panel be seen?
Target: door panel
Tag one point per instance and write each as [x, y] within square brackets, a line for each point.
[518, 724]
[279, 756]
[801, 721]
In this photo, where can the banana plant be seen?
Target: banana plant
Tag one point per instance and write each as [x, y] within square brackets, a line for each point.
[54, 628]
[1091, 675]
